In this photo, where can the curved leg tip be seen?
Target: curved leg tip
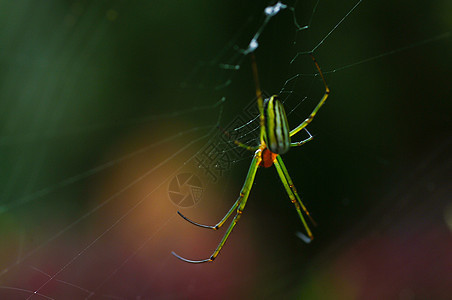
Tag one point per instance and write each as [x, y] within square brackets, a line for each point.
[192, 261]
[197, 224]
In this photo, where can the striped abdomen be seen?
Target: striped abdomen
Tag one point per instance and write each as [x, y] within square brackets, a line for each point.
[277, 129]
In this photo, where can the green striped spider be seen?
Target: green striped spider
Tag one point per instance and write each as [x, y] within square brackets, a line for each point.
[275, 140]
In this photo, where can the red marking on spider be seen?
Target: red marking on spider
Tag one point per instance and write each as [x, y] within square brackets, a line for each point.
[268, 158]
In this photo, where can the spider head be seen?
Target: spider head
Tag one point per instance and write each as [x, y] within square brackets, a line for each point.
[276, 133]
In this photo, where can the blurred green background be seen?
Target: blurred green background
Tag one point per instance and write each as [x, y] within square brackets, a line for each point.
[89, 91]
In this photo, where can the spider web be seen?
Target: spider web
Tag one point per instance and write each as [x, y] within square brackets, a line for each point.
[101, 108]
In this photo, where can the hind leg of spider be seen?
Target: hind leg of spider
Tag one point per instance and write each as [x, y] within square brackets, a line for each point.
[293, 188]
[228, 214]
[239, 204]
[219, 224]
[220, 245]
[292, 192]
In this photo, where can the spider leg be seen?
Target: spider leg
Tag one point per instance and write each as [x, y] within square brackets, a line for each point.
[239, 143]
[219, 224]
[292, 192]
[260, 100]
[228, 214]
[292, 186]
[321, 102]
[242, 145]
[239, 204]
[296, 144]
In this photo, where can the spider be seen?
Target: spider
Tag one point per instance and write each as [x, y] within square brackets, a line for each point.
[275, 140]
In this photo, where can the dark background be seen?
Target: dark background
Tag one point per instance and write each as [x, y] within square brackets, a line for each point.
[90, 91]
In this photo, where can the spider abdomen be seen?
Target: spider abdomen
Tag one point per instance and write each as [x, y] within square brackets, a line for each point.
[276, 134]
